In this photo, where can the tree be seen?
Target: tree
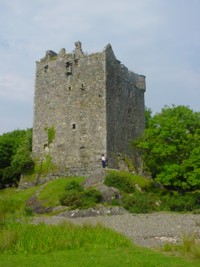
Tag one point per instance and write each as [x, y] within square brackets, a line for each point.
[15, 155]
[170, 147]
[22, 160]
[148, 116]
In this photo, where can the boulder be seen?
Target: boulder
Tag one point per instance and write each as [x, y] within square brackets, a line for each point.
[95, 178]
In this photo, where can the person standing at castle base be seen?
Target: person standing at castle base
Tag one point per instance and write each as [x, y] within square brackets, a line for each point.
[103, 160]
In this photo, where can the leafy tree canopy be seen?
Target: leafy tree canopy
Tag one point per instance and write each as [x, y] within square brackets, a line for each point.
[170, 147]
[15, 155]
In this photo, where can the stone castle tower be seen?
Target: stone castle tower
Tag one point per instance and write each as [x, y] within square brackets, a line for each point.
[85, 105]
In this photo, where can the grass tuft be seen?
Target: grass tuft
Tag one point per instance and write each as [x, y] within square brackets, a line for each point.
[189, 247]
[38, 239]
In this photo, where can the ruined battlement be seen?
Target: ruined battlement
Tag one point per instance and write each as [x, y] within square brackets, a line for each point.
[92, 103]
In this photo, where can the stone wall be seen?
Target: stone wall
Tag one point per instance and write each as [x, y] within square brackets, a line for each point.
[91, 103]
[125, 107]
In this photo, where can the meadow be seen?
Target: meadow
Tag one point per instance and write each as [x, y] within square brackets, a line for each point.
[25, 244]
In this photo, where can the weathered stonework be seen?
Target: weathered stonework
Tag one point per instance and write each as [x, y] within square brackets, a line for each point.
[93, 103]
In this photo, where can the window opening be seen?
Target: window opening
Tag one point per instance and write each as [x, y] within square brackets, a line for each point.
[69, 68]
[73, 126]
[129, 112]
[76, 62]
[46, 68]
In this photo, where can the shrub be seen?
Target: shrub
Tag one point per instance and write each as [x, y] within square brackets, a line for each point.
[71, 199]
[174, 201]
[28, 211]
[92, 195]
[119, 180]
[126, 181]
[46, 166]
[140, 203]
[51, 193]
[76, 197]
[74, 185]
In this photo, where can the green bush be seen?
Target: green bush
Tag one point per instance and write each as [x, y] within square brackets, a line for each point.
[28, 211]
[76, 197]
[144, 202]
[46, 166]
[152, 197]
[174, 201]
[92, 195]
[51, 193]
[126, 181]
[120, 180]
[74, 185]
[140, 203]
[71, 198]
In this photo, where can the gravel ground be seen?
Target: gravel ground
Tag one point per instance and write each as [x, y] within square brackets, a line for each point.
[147, 230]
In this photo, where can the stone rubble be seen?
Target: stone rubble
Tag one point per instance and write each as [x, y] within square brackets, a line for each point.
[147, 230]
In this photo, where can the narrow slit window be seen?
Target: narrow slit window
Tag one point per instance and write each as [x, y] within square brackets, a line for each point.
[129, 112]
[46, 68]
[73, 126]
[68, 68]
[76, 62]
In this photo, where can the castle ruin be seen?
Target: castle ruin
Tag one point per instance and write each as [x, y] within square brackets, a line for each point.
[85, 105]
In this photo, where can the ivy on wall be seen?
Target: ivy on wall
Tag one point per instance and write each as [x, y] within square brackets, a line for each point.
[51, 133]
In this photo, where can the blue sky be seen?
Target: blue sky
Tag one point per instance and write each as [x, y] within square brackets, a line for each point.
[157, 38]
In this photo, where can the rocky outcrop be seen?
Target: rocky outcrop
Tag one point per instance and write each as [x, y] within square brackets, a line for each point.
[96, 180]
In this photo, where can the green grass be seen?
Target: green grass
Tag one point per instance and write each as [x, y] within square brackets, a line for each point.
[23, 244]
[126, 181]
[130, 257]
[70, 245]
[13, 200]
[45, 167]
[18, 195]
[189, 248]
[30, 177]
[51, 193]
[23, 238]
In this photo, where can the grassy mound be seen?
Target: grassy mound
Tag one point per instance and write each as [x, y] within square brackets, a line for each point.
[24, 244]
